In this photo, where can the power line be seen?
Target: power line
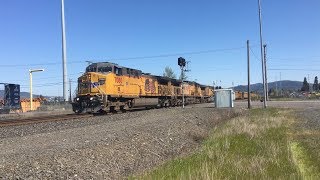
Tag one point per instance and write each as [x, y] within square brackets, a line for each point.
[227, 69]
[275, 69]
[50, 77]
[295, 65]
[255, 56]
[179, 54]
[47, 84]
[132, 58]
[292, 63]
[294, 58]
[43, 85]
[38, 64]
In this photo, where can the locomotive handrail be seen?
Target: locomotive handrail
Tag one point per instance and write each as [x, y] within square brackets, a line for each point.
[99, 89]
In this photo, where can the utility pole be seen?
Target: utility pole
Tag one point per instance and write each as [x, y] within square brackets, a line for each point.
[248, 62]
[182, 84]
[261, 50]
[70, 96]
[276, 86]
[31, 95]
[308, 83]
[280, 85]
[265, 70]
[64, 53]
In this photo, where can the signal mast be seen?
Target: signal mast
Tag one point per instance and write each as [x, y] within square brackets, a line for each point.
[182, 64]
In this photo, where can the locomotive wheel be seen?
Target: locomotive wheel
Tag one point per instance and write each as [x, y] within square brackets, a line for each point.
[78, 111]
[101, 111]
[122, 109]
[113, 109]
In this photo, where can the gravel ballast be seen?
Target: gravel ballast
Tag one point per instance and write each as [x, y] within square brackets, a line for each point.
[105, 147]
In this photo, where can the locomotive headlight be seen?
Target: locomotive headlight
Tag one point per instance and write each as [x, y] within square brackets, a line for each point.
[78, 99]
[91, 98]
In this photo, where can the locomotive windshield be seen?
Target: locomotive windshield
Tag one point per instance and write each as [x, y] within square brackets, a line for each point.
[99, 68]
[91, 69]
[105, 69]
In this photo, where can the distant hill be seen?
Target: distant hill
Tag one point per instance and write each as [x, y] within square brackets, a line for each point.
[285, 85]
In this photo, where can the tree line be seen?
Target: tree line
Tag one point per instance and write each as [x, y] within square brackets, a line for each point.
[168, 72]
[306, 86]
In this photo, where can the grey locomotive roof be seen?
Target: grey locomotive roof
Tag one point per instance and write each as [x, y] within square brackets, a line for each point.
[101, 64]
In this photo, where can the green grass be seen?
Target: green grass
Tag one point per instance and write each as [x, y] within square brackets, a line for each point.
[254, 146]
[305, 145]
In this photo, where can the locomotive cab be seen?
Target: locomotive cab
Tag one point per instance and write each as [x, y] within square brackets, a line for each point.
[91, 87]
[93, 80]
[103, 85]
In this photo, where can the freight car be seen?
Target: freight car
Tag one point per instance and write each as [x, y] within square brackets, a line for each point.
[244, 95]
[108, 87]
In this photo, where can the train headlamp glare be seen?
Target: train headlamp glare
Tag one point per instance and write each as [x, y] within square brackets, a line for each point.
[91, 98]
[78, 99]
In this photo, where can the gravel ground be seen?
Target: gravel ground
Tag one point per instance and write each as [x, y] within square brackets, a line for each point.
[105, 147]
[310, 118]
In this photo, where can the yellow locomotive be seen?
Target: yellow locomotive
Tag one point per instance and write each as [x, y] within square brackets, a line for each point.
[107, 87]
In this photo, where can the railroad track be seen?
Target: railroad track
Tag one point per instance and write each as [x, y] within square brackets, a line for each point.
[52, 118]
[41, 119]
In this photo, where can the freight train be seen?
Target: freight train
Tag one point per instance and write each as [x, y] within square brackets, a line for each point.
[108, 87]
[239, 95]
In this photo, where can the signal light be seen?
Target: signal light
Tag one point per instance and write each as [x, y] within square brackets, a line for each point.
[181, 61]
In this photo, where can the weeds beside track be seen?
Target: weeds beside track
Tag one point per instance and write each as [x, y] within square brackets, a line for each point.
[258, 145]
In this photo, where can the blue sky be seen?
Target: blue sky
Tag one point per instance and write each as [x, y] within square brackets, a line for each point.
[110, 30]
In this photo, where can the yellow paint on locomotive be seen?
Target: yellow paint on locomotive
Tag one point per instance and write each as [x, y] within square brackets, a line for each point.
[117, 86]
[165, 89]
[191, 89]
[244, 95]
[198, 91]
[134, 85]
[107, 86]
[176, 90]
[208, 91]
